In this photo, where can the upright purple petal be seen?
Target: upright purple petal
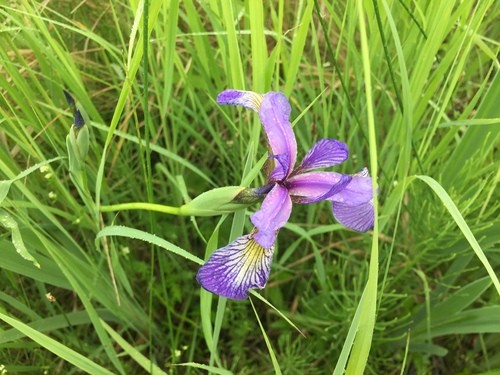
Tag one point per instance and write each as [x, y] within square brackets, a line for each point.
[316, 186]
[247, 99]
[325, 153]
[359, 218]
[274, 115]
[233, 270]
[281, 166]
[273, 214]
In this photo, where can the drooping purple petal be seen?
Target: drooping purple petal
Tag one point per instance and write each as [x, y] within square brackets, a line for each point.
[325, 153]
[247, 99]
[358, 191]
[316, 186]
[359, 218]
[274, 115]
[233, 270]
[353, 206]
[273, 214]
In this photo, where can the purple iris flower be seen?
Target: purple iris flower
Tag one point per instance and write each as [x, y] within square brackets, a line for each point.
[246, 262]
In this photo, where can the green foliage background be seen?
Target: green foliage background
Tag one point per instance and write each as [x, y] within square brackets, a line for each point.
[87, 286]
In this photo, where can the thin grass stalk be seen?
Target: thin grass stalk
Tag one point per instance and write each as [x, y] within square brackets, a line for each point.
[363, 340]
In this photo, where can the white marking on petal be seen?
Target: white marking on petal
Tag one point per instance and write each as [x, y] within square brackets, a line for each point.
[363, 173]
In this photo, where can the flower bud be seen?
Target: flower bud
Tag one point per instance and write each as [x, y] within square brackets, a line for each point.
[220, 201]
[73, 154]
[82, 142]
[77, 143]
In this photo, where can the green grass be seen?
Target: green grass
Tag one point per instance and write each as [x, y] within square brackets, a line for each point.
[98, 264]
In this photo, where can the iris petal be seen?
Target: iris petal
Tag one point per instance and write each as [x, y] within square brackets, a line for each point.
[316, 186]
[325, 153]
[281, 167]
[353, 206]
[247, 99]
[359, 218]
[274, 115]
[233, 270]
[358, 191]
[273, 214]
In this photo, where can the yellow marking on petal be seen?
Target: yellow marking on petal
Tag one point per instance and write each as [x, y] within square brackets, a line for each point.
[256, 101]
[252, 100]
[253, 261]
[233, 270]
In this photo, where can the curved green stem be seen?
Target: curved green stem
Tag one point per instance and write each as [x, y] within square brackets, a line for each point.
[143, 206]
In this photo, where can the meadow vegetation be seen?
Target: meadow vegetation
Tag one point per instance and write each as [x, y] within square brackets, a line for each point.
[412, 87]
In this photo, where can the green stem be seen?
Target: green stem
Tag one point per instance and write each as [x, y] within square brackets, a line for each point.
[143, 206]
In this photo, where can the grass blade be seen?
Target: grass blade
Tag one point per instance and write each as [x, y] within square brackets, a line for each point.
[457, 216]
[55, 347]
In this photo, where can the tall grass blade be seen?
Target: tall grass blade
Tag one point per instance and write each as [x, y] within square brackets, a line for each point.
[123, 231]
[139, 358]
[459, 220]
[62, 351]
[364, 335]
[274, 360]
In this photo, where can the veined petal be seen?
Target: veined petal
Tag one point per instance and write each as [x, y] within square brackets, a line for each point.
[274, 115]
[359, 218]
[247, 99]
[233, 270]
[358, 191]
[273, 214]
[353, 206]
[316, 186]
[325, 153]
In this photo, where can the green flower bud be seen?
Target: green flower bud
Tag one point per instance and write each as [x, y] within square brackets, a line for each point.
[73, 154]
[82, 142]
[77, 142]
[220, 201]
